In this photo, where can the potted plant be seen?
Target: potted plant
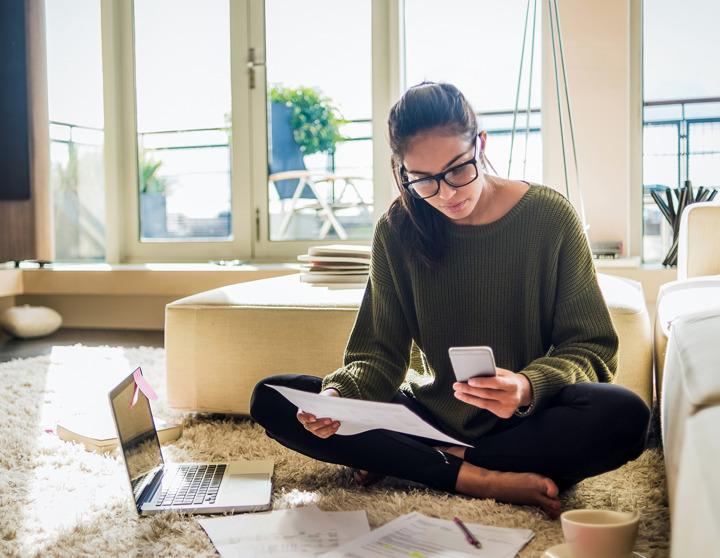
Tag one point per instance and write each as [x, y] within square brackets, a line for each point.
[153, 210]
[314, 119]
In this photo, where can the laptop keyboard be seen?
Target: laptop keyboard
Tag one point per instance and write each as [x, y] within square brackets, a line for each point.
[191, 485]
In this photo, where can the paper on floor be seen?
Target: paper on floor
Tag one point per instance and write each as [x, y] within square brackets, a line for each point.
[295, 532]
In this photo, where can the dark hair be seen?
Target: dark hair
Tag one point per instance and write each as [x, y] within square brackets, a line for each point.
[425, 107]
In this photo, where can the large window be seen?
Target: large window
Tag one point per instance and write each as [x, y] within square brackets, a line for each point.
[479, 47]
[319, 88]
[182, 84]
[189, 88]
[682, 108]
[75, 94]
[238, 129]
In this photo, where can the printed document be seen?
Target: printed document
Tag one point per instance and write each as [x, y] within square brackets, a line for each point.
[356, 415]
[418, 535]
[295, 532]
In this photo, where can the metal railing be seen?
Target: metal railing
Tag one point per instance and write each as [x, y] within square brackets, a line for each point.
[681, 142]
[684, 118]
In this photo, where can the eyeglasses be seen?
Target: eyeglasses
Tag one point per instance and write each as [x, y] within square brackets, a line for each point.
[457, 177]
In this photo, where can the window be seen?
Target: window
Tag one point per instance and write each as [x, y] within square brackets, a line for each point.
[681, 109]
[185, 138]
[327, 81]
[182, 89]
[157, 96]
[75, 94]
[483, 59]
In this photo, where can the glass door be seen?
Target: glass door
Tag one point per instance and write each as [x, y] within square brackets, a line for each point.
[182, 75]
[188, 199]
[317, 90]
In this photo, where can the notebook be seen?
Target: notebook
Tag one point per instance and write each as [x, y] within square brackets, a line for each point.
[197, 488]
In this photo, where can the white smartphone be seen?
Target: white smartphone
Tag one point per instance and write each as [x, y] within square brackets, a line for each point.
[470, 362]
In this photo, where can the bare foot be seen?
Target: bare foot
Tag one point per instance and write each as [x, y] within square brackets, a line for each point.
[366, 478]
[514, 488]
[457, 451]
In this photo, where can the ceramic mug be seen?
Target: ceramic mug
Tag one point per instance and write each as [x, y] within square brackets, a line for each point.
[600, 533]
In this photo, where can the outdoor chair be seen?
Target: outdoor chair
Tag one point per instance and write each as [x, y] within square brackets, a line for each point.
[302, 190]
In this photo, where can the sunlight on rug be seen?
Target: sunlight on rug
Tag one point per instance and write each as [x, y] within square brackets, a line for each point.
[59, 500]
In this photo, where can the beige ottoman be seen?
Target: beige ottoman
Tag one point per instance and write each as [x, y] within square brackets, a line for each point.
[220, 343]
[626, 302]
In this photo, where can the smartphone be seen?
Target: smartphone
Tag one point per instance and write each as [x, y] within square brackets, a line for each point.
[470, 362]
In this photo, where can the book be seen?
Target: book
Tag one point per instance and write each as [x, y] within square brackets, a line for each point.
[97, 432]
[344, 265]
[334, 278]
[341, 251]
[338, 259]
[333, 271]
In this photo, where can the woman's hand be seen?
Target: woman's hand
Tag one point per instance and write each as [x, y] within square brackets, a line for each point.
[502, 395]
[321, 427]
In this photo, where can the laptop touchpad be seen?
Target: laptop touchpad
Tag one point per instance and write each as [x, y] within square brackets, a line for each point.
[248, 488]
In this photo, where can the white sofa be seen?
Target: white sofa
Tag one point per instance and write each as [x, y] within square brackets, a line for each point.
[221, 342]
[690, 419]
[687, 361]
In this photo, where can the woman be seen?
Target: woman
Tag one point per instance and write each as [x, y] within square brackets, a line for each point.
[466, 258]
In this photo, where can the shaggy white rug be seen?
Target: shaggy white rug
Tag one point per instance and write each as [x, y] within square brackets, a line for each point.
[56, 499]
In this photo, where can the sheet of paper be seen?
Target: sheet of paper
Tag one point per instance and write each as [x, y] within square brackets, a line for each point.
[418, 535]
[296, 532]
[357, 415]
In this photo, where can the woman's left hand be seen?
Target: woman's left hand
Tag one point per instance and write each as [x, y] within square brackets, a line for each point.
[502, 395]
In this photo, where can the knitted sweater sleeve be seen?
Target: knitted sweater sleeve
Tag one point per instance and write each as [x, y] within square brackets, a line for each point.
[584, 341]
[378, 350]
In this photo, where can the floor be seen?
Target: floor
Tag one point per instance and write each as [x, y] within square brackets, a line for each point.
[12, 348]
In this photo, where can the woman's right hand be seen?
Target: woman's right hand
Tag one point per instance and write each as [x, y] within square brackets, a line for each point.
[321, 427]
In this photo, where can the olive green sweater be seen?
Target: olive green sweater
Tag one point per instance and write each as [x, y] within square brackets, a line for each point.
[525, 285]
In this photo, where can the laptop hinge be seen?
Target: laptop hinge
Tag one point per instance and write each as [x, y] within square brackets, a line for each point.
[148, 491]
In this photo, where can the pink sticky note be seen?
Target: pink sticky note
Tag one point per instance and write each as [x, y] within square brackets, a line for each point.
[142, 384]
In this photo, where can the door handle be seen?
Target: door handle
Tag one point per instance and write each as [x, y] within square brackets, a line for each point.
[251, 63]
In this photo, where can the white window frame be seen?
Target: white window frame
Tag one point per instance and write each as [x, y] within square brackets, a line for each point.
[249, 131]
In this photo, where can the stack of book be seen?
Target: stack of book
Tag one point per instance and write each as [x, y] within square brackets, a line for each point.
[339, 265]
[96, 431]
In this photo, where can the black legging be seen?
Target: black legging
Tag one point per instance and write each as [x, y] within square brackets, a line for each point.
[585, 430]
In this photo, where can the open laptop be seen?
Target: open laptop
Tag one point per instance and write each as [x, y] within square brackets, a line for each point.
[196, 488]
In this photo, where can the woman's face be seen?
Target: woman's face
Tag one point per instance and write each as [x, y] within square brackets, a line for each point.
[430, 154]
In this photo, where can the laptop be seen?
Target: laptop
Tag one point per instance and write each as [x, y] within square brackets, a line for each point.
[197, 488]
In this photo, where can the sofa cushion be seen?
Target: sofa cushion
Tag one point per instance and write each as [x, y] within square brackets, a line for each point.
[696, 509]
[691, 381]
[626, 302]
[675, 299]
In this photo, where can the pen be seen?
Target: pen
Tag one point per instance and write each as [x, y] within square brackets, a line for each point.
[468, 535]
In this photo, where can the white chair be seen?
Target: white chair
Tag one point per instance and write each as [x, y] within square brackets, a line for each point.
[697, 287]
[699, 240]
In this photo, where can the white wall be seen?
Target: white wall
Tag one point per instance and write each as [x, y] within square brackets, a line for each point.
[601, 48]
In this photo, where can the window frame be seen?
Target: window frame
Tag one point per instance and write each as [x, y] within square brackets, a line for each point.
[249, 204]
[249, 192]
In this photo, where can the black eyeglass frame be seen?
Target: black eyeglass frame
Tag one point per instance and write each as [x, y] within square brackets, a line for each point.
[438, 177]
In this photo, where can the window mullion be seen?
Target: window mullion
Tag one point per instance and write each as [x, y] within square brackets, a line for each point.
[120, 142]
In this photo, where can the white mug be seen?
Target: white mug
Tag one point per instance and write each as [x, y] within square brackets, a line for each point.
[600, 533]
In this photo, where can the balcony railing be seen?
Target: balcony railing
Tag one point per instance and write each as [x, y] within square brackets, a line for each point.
[681, 141]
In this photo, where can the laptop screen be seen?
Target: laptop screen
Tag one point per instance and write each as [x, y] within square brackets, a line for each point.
[136, 432]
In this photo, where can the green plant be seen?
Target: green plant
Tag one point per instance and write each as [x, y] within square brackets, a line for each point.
[151, 182]
[315, 120]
